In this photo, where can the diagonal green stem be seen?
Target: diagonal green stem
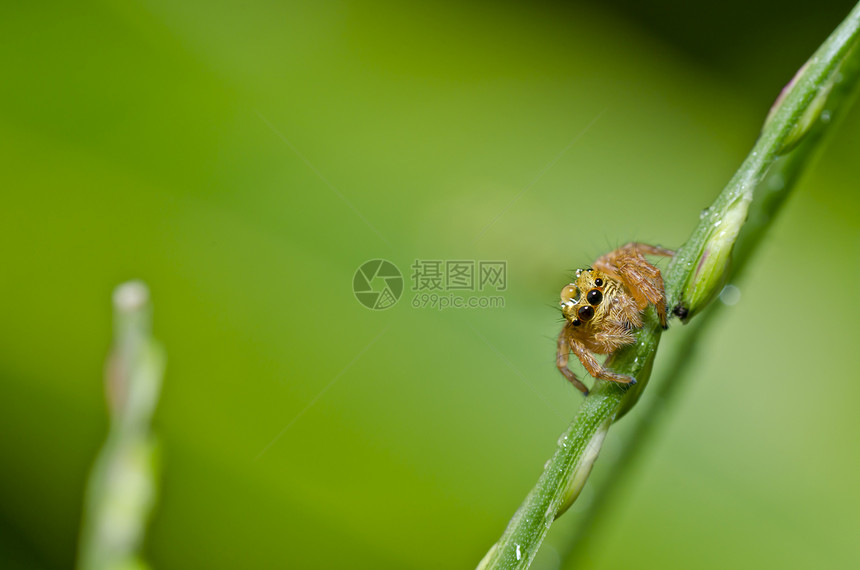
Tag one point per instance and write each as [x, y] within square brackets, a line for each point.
[696, 274]
[771, 195]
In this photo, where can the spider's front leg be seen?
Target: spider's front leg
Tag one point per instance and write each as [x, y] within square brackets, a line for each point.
[594, 367]
[561, 357]
[567, 344]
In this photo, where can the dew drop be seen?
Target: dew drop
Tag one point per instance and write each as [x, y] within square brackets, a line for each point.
[730, 295]
[777, 182]
[825, 116]
[519, 553]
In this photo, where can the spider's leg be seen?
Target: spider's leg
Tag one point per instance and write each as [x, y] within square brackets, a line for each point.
[645, 284]
[594, 367]
[611, 261]
[561, 362]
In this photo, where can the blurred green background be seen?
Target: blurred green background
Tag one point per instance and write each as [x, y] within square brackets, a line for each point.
[245, 158]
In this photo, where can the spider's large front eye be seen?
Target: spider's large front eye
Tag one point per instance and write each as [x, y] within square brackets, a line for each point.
[569, 294]
[585, 313]
[594, 297]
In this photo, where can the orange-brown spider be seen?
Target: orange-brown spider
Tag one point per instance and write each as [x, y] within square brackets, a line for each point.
[604, 306]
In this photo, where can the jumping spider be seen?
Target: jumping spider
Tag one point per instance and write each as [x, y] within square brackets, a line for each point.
[604, 306]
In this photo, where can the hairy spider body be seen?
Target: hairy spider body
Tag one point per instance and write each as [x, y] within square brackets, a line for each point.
[603, 307]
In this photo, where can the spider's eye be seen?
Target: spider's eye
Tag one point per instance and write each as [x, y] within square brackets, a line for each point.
[570, 294]
[575, 322]
[598, 282]
[585, 313]
[594, 297]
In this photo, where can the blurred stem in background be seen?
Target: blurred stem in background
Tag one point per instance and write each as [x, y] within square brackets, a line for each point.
[122, 487]
[820, 92]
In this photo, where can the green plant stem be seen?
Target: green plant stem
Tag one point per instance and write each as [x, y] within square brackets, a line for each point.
[695, 275]
[122, 486]
[783, 177]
